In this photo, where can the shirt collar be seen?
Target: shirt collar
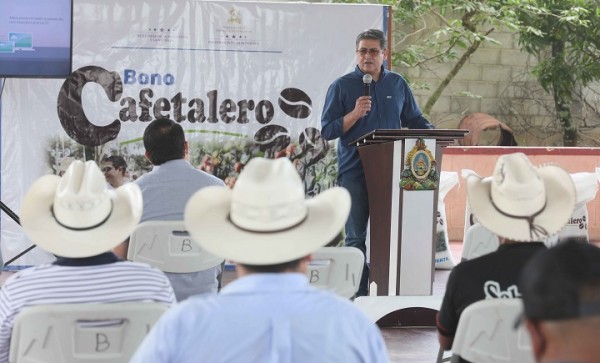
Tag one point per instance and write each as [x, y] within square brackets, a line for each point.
[267, 282]
[171, 163]
[101, 259]
[360, 73]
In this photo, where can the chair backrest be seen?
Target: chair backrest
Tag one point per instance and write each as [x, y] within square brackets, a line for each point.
[486, 333]
[337, 269]
[81, 333]
[167, 246]
[478, 241]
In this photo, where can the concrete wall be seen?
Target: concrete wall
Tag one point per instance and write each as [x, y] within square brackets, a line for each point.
[498, 81]
[482, 160]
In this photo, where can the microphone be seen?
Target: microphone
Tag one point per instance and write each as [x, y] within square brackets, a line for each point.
[367, 84]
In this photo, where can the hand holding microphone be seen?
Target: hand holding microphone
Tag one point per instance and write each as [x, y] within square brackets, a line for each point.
[363, 103]
[367, 79]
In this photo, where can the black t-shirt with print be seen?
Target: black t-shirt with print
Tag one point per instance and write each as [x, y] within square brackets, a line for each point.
[494, 275]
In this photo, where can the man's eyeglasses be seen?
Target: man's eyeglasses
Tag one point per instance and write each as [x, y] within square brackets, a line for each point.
[373, 52]
[106, 169]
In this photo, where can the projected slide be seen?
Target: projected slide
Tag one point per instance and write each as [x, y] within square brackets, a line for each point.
[35, 38]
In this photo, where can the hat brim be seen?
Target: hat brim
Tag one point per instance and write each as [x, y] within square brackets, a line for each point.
[207, 220]
[42, 228]
[559, 205]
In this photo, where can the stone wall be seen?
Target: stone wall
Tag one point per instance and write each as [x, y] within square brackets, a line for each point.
[493, 72]
[498, 81]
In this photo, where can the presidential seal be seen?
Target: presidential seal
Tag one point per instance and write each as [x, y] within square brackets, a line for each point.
[419, 171]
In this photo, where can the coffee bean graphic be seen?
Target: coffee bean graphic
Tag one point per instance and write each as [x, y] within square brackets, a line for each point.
[313, 145]
[272, 138]
[295, 103]
[311, 139]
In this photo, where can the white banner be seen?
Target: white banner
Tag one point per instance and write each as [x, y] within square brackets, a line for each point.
[243, 79]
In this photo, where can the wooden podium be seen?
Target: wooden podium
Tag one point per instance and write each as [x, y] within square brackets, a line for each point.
[402, 169]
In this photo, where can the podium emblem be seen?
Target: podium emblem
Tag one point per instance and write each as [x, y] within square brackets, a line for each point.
[419, 171]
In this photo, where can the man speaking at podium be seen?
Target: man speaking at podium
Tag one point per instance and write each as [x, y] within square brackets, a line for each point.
[369, 98]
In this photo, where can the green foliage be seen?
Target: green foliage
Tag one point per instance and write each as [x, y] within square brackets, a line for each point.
[446, 31]
[565, 36]
[451, 27]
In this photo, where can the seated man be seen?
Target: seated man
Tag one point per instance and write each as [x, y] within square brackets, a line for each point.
[560, 289]
[114, 168]
[79, 220]
[519, 203]
[270, 313]
[167, 189]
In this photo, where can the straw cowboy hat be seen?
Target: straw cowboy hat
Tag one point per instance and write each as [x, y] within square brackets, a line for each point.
[76, 215]
[265, 219]
[521, 202]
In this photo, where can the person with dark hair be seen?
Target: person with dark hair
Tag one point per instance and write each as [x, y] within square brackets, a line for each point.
[270, 313]
[166, 190]
[164, 141]
[560, 288]
[114, 168]
[523, 205]
[349, 113]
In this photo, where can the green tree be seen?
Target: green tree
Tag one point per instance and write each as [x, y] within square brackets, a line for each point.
[452, 31]
[565, 37]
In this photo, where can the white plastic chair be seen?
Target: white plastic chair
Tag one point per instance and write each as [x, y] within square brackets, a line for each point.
[486, 334]
[337, 269]
[478, 241]
[167, 246]
[81, 333]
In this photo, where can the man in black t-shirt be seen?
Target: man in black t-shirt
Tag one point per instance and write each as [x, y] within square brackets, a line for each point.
[519, 203]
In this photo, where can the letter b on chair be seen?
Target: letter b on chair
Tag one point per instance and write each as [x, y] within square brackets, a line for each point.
[337, 269]
[167, 246]
[80, 333]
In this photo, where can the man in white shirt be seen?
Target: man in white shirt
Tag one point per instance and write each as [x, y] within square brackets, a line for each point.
[270, 313]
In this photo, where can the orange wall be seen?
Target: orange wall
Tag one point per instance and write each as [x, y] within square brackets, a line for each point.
[482, 159]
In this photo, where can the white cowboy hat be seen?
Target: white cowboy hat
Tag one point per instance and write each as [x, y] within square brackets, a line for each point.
[76, 215]
[521, 202]
[265, 219]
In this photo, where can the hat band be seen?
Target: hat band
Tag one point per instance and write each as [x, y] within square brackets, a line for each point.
[270, 231]
[535, 231]
[266, 218]
[82, 228]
